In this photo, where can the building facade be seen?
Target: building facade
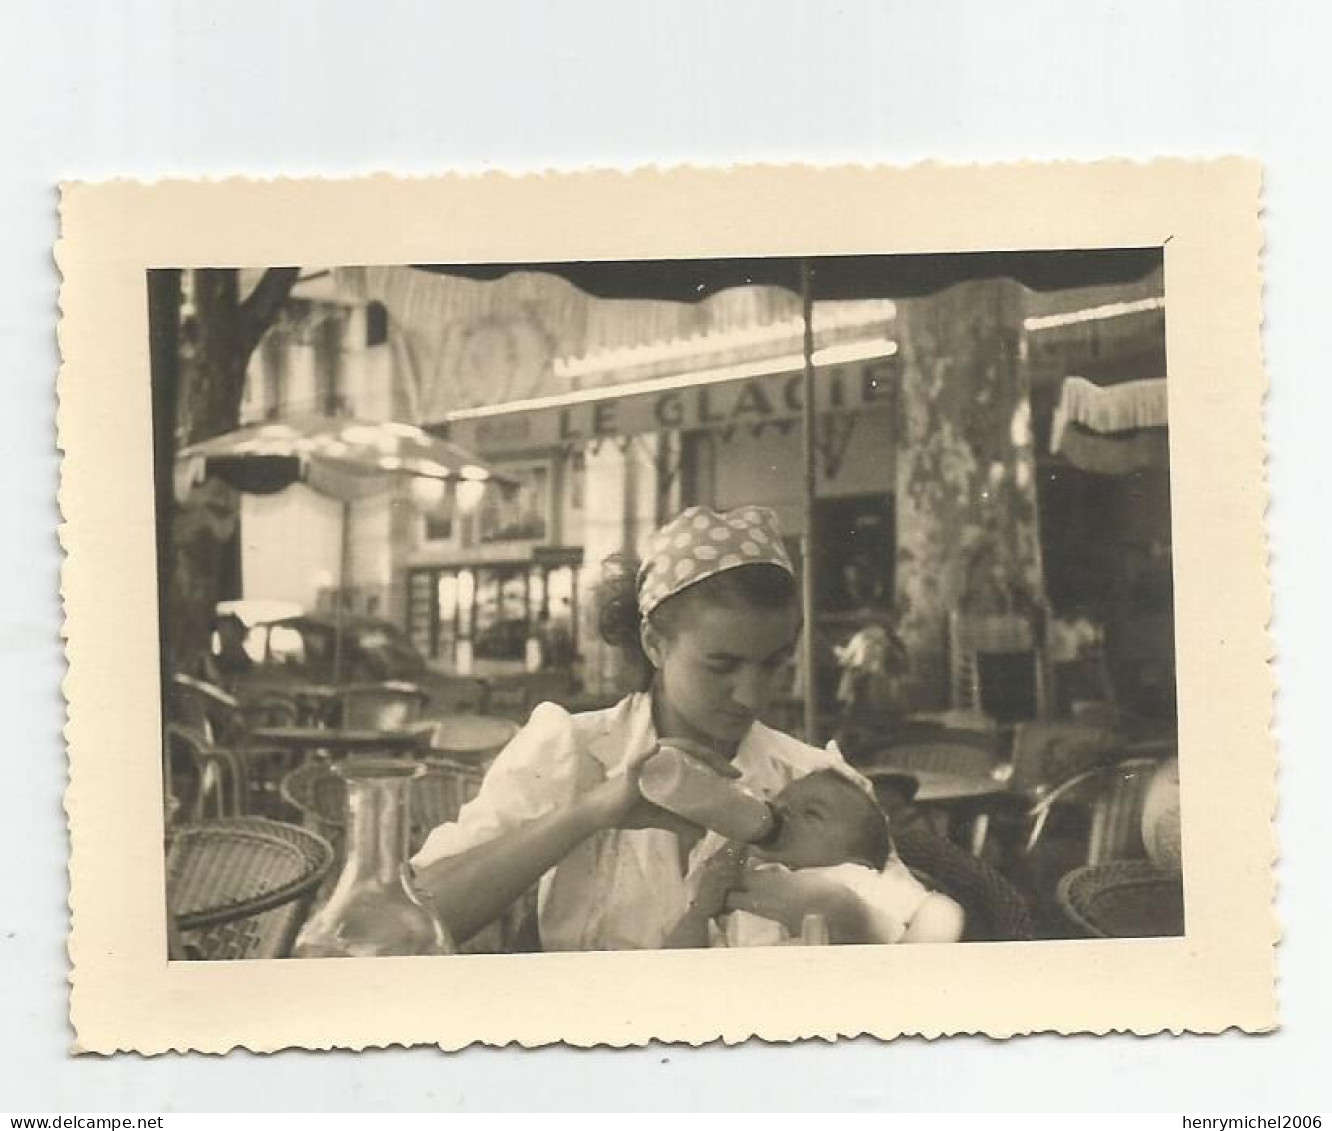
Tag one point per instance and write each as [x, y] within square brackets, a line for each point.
[936, 491]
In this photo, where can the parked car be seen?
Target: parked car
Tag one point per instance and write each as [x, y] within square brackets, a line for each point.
[290, 651]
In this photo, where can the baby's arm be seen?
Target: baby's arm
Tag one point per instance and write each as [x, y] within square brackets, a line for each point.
[938, 919]
[716, 877]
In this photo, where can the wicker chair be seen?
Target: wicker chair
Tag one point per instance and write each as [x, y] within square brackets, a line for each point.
[225, 723]
[239, 888]
[198, 703]
[439, 794]
[1126, 899]
[202, 777]
[1112, 797]
[995, 910]
[320, 796]
[974, 635]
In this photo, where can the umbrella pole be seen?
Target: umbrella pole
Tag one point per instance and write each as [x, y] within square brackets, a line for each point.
[807, 588]
[344, 568]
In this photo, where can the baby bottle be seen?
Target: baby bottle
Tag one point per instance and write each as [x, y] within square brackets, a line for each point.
[680, 783]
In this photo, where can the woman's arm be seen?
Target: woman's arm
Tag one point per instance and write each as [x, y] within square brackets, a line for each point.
[474, 888]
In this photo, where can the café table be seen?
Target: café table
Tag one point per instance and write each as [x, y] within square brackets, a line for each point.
[346, 740]
[967, 799]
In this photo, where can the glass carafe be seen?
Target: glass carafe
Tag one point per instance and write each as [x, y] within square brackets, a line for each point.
[374, 909]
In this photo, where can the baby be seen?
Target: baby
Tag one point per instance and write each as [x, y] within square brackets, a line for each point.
[833, 829]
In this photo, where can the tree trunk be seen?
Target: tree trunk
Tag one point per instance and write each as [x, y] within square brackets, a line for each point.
[198, 386]
[164, 353]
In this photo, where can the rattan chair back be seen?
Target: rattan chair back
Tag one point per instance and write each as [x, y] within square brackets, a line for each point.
[207, 780]
[1123, 899]
[320, 796]
[438, 795]
[1112, 797]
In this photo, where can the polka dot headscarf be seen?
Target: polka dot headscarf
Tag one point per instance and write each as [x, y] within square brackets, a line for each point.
[701, 543]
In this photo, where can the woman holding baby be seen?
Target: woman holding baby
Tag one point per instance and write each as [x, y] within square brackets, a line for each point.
[714, 611]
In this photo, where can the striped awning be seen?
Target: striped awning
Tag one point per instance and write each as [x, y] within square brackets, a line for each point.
[1111, 429]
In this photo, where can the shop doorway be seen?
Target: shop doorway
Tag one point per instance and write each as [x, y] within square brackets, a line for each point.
[857, 549]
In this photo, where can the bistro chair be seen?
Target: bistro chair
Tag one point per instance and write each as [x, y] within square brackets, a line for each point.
[225, 723]
[1111, 798]
[392, 705]
[975, 642]
[215, 713]
[320, 796]
[438, 795]
[317, 792]
[240, 887]
[203, 778]
[1123, 899]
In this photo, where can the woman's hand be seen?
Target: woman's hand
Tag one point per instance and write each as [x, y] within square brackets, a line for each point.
[617, 803]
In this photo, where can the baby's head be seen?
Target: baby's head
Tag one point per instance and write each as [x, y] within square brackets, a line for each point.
[828, 819]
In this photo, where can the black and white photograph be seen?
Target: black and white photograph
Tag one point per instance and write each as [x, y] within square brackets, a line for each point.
[577, 629]
[685, 603]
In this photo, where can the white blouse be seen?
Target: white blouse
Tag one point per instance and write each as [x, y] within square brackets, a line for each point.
[618, 889]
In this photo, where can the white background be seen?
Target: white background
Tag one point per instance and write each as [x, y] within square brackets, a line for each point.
[149, 88]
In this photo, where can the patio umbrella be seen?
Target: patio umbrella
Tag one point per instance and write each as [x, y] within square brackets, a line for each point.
[342, 458]
[828, 277]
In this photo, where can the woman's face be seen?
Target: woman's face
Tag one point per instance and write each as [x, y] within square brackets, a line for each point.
[718, 668]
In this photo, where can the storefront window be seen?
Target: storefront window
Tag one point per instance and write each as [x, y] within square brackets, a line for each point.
[496, 610]
[466, 603]
[438, 526]
[519, 512]
[501, 615]
[446, 590]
